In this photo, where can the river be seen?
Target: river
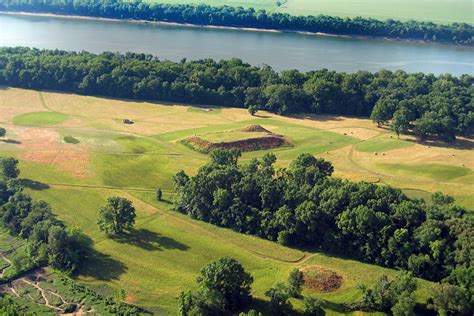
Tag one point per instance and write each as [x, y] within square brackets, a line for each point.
[279, 50]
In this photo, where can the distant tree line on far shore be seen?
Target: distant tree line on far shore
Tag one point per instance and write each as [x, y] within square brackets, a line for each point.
[458, 33]
[426, 105]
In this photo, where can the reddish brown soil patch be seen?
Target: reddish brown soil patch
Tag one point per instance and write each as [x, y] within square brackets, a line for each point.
[75, 163]
[320, 279]
[45, 146]
[254, 128]
[249, 144]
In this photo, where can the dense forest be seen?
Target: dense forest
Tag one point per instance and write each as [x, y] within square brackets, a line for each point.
[423, 104]
[304, 206]
[459, 33]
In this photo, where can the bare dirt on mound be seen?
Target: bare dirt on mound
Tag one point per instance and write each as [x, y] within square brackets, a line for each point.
[249, 144]
[320, 279]
[268, 141]
[255, 128]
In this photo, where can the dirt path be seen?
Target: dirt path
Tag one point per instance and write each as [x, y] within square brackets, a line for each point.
[9, 265]
[42, 292]
[12, 289]
[33, 279]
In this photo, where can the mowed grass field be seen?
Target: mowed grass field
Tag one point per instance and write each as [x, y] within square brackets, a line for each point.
[163, 254]
[440, 11]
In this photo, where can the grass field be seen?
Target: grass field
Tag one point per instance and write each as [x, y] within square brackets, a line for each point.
[164, 253]
[440, 11]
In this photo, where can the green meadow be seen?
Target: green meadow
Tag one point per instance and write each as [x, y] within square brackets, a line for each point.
[39, 119]
[382, 144]
[162, 255]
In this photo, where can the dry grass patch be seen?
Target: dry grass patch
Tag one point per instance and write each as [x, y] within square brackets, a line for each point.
[357, 132]
[75, 163]
[14, 102]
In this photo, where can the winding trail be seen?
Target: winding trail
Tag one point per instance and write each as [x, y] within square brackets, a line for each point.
[2, 255]
[43, 293]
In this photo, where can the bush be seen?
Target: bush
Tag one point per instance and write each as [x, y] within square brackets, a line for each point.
[71, 140]
[313, 307]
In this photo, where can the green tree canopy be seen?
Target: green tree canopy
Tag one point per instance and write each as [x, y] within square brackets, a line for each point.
[9, 167]
[117, 215]
[227, 278]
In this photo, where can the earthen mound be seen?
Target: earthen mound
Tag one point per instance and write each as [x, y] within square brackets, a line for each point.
[320, 279]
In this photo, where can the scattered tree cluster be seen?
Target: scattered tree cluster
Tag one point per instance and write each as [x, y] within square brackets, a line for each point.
[304, 206]
[396, 296]
[459, 33]
[224, 289]
[49, 241]
[424, 104]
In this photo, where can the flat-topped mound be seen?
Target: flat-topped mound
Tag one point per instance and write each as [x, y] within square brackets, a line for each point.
[249, 138]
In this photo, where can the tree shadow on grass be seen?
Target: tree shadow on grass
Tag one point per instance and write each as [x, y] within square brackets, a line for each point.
[10, 141]
[34, 185]
[459, 143]
[102, 267]
[149, 240]
[264, 307]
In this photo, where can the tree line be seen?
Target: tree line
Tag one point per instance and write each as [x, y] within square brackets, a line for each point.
[458, 33]
[304, 206]
[49, 240]
[424, 104]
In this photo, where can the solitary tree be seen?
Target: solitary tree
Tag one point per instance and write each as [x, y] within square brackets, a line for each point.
[117, 215]
[9, 167]
[3, 132]
[226, 283]
[295, 283]
[279, 296]
[252, 109]
[159, 194]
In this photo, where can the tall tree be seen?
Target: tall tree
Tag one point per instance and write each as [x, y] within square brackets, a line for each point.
[117, 215]
[227, 279]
